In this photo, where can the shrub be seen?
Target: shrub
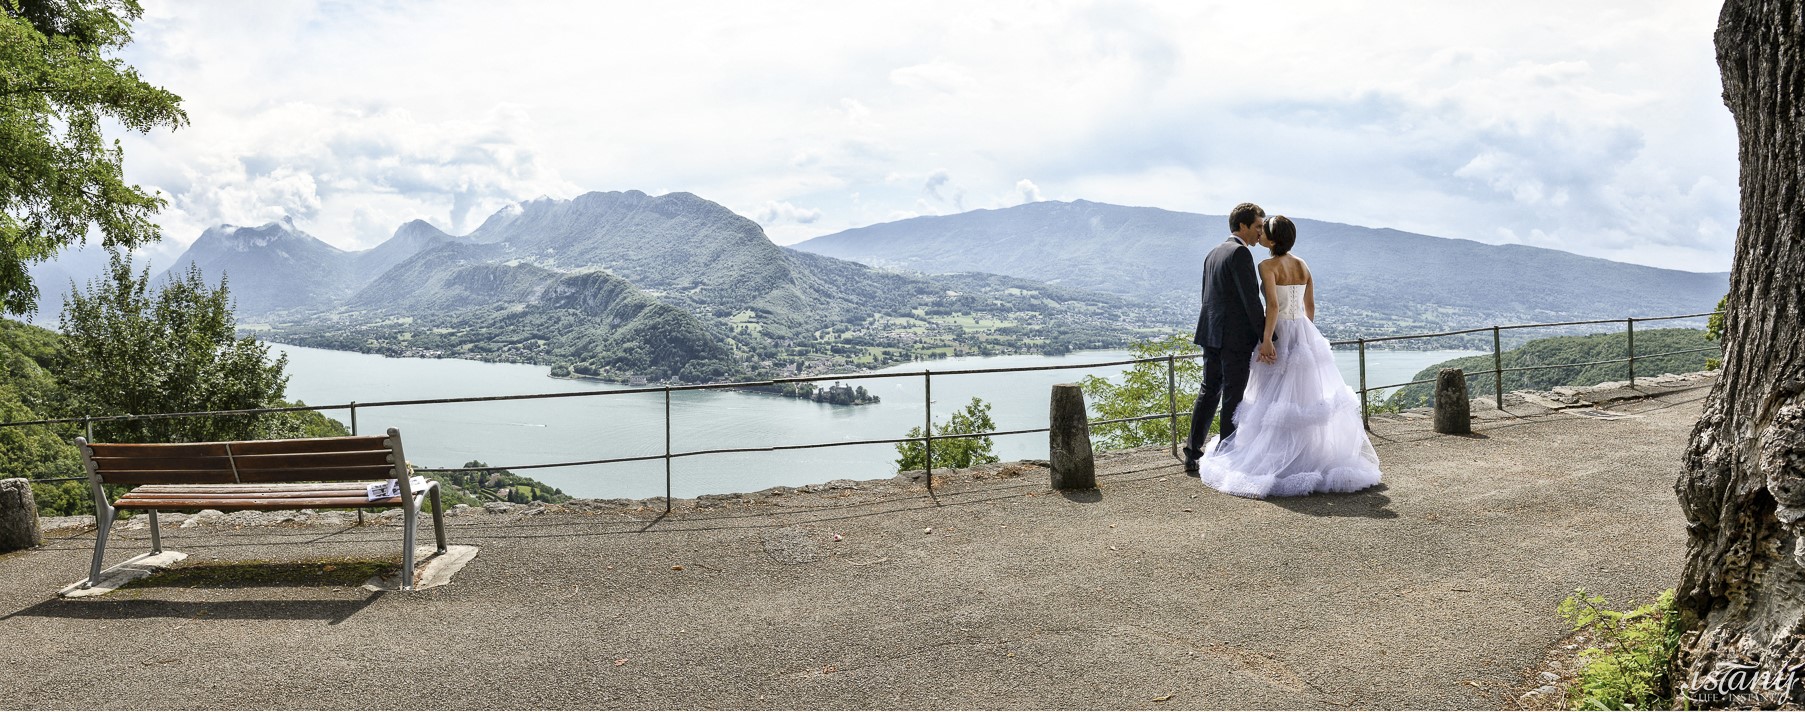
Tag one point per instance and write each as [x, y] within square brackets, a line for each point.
[961, 452]
[1143, 391]
[1627, 668]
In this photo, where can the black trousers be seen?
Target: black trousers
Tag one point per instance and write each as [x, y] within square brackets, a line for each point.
[1224, 382]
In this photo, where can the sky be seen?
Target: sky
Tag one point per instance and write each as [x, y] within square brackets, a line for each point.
[1596, 128]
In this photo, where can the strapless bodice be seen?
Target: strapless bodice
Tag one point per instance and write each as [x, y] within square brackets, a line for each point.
[1291, 301]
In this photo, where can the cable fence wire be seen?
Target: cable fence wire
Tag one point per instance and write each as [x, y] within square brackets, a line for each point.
[929, 438]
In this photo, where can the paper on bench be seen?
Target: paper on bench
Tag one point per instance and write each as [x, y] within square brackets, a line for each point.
[392, 488]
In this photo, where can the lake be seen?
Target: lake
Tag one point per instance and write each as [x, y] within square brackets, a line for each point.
[515, 433]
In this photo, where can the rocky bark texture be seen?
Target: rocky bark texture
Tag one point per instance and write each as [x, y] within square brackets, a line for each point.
[1453, 414]
[1742, 591]
[1069, 440]
[18, 516]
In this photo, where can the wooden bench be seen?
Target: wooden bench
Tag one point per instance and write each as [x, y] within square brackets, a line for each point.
[312, 473]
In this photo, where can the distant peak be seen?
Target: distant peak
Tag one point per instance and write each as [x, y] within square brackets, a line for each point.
[244, 238]
[417, 226]
[284, 224]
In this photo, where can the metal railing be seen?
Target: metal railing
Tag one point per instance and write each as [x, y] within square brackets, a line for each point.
[927, 438]
[1498, 369]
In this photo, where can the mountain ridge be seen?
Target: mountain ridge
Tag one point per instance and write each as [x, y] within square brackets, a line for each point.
[1156, 255]
[626, 284]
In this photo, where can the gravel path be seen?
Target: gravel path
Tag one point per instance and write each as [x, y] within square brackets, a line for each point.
[1434, 591]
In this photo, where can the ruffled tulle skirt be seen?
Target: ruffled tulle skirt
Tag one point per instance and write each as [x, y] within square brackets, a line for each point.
[1297, 430]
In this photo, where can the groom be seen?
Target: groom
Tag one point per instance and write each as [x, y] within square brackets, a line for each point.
[1228, 328]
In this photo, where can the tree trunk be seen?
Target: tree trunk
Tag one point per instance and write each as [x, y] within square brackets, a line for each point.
[1742, 592]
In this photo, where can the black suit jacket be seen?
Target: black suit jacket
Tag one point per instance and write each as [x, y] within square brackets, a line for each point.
[1232, 316]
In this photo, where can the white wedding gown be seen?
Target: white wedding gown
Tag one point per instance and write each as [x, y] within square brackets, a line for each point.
[1297, 430]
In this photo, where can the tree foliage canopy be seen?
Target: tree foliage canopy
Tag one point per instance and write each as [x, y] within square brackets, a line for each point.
[1145, 390]
[953, 453]
[127, 350]
[59, 177]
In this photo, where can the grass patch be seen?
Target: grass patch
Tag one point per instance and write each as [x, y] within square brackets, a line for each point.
[1627, 668]
[340, 571]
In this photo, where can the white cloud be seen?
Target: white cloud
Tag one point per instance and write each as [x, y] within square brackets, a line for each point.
[939, 186]
[351, 177]
[1029, 191]
[1599, 125]
[777, 211]
[936, 76]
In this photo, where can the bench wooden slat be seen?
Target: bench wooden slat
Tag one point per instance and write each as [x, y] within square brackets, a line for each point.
[254, 493]
[357, 502]
[232, 497]
[261, 487]
[167, 477]
[384, 458]
[310, 474]
[245, 462]
[355, 443]
[159, 450]
[189, 462]
[319, 474]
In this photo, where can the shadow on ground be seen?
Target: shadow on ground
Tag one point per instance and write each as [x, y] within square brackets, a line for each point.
[1370, 502]
[333, 612]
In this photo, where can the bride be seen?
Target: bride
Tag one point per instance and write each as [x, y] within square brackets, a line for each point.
[1306, 434]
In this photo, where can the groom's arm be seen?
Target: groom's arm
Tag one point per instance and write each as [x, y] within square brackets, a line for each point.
[1247, 285]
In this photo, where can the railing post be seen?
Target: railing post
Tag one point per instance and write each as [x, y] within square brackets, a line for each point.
[667, 449]
[1631, 323]
[1172, 398]
[927, 428]
[88, 425]
[353, 417]
[1497, 368]
[1069, 456]
[1365, 418]
[1453, 414]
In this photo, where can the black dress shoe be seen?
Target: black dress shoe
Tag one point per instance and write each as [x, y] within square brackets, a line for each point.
[1191, 468]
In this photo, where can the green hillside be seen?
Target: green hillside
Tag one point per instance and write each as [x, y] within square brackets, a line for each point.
[1570, 350]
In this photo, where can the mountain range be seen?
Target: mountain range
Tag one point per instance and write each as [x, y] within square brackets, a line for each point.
[626, 284]
[1369, 281]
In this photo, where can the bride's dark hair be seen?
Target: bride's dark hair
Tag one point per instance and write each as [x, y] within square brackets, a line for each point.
[1282, 233]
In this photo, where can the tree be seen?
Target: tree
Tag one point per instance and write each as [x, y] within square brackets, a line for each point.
[58, 176]
[128, 351]
[1143, 391]
[1743, 491]
[953, 453]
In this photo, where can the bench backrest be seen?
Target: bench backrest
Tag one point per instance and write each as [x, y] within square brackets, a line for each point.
[367, 457]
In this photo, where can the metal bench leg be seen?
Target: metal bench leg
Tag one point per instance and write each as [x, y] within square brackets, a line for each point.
[103, 519]
[438, 518]
[156, 534]
[411, 518]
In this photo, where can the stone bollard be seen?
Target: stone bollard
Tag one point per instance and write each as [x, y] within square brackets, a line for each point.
[18, 516]
[1069, 440]
[1453, 413]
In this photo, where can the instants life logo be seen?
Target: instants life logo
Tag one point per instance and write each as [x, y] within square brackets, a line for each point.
[1743, 683]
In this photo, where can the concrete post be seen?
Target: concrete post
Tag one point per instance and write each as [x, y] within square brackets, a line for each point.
[1069, 440]
[18, 516]
[1453, 413]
